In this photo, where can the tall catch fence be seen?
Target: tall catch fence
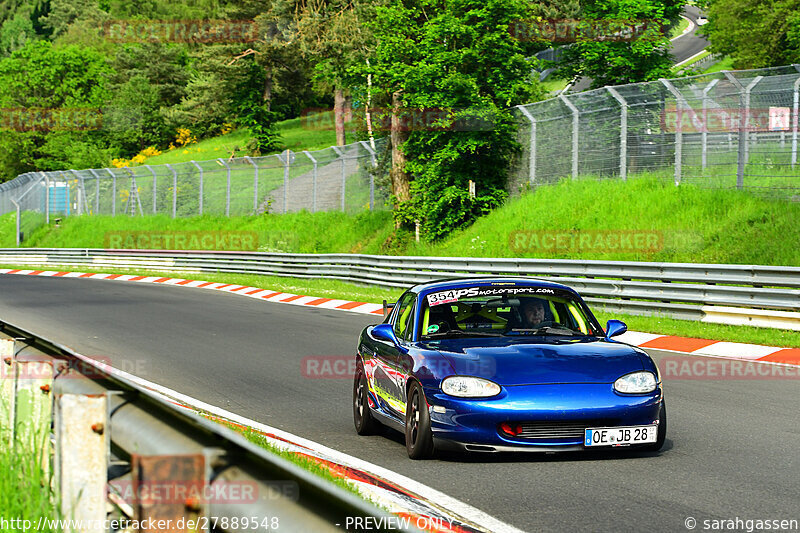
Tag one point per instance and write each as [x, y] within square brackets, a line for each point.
[730, 129]
[339, 178]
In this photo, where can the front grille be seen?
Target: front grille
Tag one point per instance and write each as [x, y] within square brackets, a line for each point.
[557, 430]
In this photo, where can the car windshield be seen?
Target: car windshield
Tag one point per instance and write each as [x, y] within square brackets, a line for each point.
[503, 310]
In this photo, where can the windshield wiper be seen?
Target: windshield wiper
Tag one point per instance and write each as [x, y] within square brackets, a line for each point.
[547, 330]
[462, 332]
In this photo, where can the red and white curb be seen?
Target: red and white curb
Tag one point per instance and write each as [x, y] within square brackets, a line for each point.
[702, 347]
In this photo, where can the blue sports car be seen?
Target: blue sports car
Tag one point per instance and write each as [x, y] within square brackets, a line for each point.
[504, 364]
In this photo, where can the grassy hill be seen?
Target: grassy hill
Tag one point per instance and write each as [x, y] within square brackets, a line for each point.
[674, 224]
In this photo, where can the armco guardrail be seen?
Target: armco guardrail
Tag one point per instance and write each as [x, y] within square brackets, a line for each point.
[121, 445]
[684, 290]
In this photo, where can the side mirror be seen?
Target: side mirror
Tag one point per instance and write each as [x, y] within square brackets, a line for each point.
[385, 332]
[615, 327]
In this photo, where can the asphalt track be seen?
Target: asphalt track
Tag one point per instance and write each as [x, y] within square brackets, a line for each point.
[732, 446]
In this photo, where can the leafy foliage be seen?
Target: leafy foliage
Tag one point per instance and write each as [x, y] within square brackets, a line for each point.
[615, 62]
[457, 61]
[755, 34]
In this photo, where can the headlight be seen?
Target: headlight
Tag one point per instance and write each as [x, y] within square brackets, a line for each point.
[469, 387]
[636, 383]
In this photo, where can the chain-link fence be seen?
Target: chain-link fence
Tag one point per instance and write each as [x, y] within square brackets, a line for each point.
[336, 178]
[724, 130]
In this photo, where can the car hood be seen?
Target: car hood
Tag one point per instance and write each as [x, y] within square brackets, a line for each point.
[525, 363]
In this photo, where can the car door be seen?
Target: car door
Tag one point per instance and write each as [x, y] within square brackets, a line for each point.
[388, 373]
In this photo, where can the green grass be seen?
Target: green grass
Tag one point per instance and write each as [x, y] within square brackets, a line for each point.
[25, 491]
[554, 85]
[294, 232]
[297, 134]
[725, 64]
[329, 288]
[694, 225]
[680, 28]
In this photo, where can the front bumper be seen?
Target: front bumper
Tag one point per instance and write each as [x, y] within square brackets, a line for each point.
[473, 425]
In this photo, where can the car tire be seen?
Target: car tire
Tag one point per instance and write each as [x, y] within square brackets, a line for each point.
[419, 438]
[662, 431]
[362, 417]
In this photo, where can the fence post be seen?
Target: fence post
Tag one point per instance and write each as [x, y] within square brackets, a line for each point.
[96, 191]
[795, 120]
[532, 145]
[113, 192]
[155, 186]
[747, 117]
[200, 199]
[227, 188]
[623, 133]
[174, 190]
[742, 137]
[575, 125]
[340, 153]
[286, 158]
[704, 133]
[46, 197]
[255, 183]
[679, 100]
[79, 190]
[313, 181]
[369, 149]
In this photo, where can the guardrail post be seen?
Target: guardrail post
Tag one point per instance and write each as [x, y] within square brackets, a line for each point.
[795, 120]
[32, 410]
[623, 132]
[200, 199]
[155, 186]
[532, 145]
[340, 153]
[704, 133]
[8, 389]
[81, 460]
[369, 149]
[174, 190]
[678, 129]
[313, 181]
[576, 114]
[227, 187]
[255, 183]
[186, 472]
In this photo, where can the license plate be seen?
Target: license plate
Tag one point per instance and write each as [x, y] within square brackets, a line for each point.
[620, 436]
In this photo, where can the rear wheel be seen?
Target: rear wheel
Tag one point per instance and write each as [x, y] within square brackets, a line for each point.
[662, 431]
[419, 438]
[362, 417]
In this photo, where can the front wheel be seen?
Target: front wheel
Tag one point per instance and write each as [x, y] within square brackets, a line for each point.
[419, 438]
[662, 431]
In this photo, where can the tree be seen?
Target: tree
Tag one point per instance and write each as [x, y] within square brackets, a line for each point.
[755, 34]
[453, 70]
[611, 61]
[42, 83]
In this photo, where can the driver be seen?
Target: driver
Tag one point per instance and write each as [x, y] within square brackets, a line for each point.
[533, 311]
